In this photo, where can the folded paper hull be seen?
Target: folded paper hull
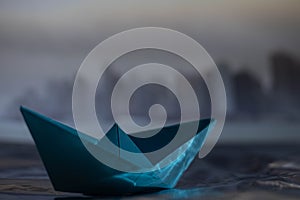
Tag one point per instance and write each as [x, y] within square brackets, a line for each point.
[72, 168]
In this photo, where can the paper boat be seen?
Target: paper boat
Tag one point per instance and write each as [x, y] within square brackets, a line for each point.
[72, 168]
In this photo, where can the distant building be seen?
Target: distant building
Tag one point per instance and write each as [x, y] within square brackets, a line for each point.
[286, 83]
[227, 77]
[248, 94]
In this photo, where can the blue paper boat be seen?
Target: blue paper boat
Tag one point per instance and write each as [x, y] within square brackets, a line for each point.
[72, 168]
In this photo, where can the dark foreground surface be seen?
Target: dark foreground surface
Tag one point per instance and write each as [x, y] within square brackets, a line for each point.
[228, 172]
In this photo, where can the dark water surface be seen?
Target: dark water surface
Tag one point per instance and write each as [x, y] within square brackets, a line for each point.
[228, 172]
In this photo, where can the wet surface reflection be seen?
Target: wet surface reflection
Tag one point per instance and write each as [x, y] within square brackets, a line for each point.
[229, 172]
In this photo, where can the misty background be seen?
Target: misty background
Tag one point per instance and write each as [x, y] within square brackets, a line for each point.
[255, 45]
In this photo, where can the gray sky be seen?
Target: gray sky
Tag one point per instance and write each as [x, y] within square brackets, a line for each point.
[41, 40]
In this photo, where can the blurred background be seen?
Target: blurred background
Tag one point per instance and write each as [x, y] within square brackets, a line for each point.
[255, 45]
